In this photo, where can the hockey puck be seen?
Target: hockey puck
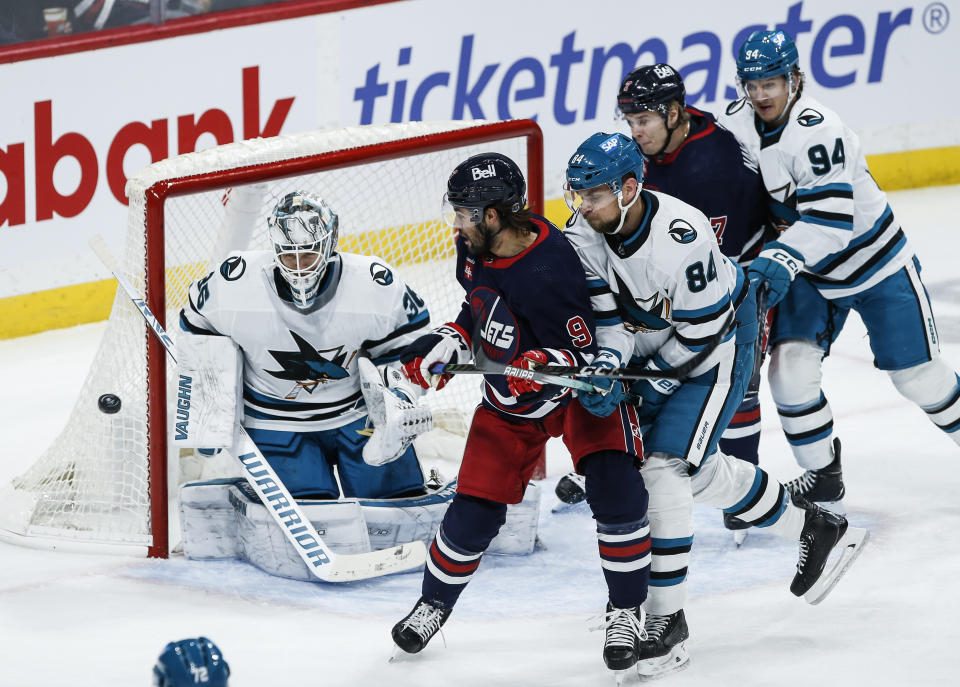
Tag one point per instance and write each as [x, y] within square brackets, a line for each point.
[109, 403]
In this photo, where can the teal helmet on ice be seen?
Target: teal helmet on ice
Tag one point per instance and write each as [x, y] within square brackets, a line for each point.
[766, 54]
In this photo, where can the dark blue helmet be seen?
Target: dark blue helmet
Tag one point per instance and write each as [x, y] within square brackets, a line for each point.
[191, 663]
[604, 159]
[765, 54]
[487, 179]
[651, 88]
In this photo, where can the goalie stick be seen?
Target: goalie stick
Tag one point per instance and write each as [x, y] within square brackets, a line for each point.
[321, 561]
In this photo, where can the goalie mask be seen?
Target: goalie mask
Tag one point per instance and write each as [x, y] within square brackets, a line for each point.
[303, 230]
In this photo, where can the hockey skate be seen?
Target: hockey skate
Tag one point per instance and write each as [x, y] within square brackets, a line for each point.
[823, 533]
[663, 651]
[823, 486]
[571, 490]
[413, 633]
[624, 628]
[738, 527]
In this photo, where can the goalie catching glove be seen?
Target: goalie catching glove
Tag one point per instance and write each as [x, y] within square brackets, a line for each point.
[396, 418]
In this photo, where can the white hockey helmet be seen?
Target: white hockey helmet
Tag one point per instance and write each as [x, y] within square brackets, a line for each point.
[303, 230]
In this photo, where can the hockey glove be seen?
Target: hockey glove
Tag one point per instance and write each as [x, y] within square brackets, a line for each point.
[443, 345]
[602, 403]
[654, 394]
[519, 385]
[776, 266]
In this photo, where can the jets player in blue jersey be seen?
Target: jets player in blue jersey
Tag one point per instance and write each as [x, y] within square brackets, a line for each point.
[661, 292]
[841, 249]
[526, 304]
[302, 314]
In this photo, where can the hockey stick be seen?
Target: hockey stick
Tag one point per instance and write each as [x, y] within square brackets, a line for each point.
[552, 374]
[320, 560]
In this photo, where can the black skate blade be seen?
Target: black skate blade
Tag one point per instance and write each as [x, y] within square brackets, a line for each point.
[850, 547]
[653, 668]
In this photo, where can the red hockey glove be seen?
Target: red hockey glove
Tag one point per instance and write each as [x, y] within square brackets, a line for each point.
[519, 386]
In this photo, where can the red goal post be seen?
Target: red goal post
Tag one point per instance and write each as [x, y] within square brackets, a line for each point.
[103, 483]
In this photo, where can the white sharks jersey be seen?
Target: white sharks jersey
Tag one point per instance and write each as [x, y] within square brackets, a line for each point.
[664, 292]
[300, 366]
[822, 192]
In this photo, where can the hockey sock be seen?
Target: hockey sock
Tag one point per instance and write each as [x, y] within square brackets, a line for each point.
[618, 499]
[741, 438]
[468, 527]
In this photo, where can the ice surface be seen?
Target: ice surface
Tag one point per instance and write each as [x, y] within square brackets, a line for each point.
[78, 620]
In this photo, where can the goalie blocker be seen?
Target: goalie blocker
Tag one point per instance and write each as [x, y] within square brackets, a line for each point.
[223, 519]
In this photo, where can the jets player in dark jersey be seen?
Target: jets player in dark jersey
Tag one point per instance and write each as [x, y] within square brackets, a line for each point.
[527, 302]
[842, 249]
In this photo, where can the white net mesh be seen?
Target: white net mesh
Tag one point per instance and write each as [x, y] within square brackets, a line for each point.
[92, 484]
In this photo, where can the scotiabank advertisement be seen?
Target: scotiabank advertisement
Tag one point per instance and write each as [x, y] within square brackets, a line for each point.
[73, 127]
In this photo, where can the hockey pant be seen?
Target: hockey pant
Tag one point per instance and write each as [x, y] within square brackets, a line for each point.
[738, 487]
[903, 340]
[618, 499]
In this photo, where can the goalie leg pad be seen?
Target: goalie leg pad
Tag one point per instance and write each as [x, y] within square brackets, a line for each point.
[518, 535]
[208, 523]
[795, 382]
[398, 521]
[224, 519]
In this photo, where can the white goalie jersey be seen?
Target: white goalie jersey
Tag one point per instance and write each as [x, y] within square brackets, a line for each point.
[822, 192]
[300, 365]
[665, 292]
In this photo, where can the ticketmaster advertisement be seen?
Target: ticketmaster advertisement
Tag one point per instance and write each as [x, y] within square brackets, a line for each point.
[75, 126]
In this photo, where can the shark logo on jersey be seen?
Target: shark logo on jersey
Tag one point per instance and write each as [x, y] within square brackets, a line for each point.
[308, 367]
[681, 231]
[809, 117]
[641, 314]
[381, 274]
[233, 268]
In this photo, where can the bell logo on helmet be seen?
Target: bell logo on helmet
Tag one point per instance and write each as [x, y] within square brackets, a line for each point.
[483, 172]
[661, 70]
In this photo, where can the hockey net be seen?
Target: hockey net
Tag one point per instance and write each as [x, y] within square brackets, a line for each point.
[104, 482]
